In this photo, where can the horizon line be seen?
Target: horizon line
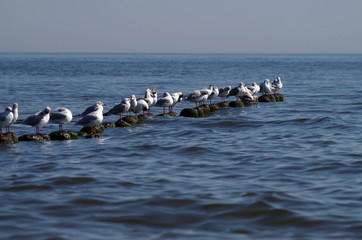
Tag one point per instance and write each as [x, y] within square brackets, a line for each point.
[189, 53]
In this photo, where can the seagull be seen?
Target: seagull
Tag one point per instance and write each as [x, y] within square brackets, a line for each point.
[214, 93]
[165, 101]
[265, 87]
[94, 118]
[149, 99]
[223, 92]
[237, 91]
[254, 88]
[245, 92]
[62, 116]
[15, 113]
[90, 109]
[141, 106]
[133, 103]
[176, 97]
[208, 90]
[277, 84]
[120, 108]
[6, 118]
[197, 96]
[38, 119]
[154, 96]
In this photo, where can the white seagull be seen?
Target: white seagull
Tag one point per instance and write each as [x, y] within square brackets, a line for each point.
[214, 93]
[277, 84]
[208, 90]
[141, 106]
[6, 118]
[176, 97]
[165, 102]
[245, 92]
[38, 119]
[94, 118]
[62, 116]
[120, 108]
[16, 115]
[90, 109]
[237, 92]
[223, 92]
[254, 88]
[133, 103]
[149, 99]
[197, 96]
[265, 87]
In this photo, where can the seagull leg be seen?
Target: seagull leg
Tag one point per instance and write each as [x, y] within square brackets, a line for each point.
[2, 132]
[37, 131]
[92, 131]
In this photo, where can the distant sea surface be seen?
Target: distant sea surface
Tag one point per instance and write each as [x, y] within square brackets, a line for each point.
[286, 170]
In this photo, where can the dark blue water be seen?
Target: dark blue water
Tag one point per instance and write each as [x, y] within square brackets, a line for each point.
[289, 170]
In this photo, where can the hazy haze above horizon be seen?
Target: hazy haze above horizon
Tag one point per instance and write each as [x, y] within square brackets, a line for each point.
[198, 26]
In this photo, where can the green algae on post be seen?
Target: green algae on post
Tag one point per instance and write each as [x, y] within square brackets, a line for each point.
[109, 125]
[121, 124]
[271, 98]
[66, 135]
[200, 111]
[9, 138]
[236, 104]
[37, 138]
[189, 112]
[222, 104]
[96, 129]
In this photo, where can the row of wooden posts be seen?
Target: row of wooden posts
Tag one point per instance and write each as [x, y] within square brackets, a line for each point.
[128, 121]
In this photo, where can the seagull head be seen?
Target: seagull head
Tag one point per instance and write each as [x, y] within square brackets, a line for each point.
[46, 110]
[8, 109]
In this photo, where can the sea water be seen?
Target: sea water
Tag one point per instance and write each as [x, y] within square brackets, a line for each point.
[285, 170]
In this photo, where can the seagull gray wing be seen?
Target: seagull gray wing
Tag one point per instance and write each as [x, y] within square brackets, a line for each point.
[87, 119]
[89, 110]
[163, 102]
[234, 91]
[119, 108]
[57, 116]
[33, 119]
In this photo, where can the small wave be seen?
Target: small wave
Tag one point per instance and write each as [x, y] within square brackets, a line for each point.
[193, 150]
[155, 219]
[88, 201]
[71, 180]
[237, 123]
[28, 188]
[327, 167]
[164, 202]
[128, 184]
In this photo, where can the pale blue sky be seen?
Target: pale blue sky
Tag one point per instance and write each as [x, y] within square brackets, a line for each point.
[188, 26]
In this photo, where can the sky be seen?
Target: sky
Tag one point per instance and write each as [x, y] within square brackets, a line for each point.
[181, 26]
